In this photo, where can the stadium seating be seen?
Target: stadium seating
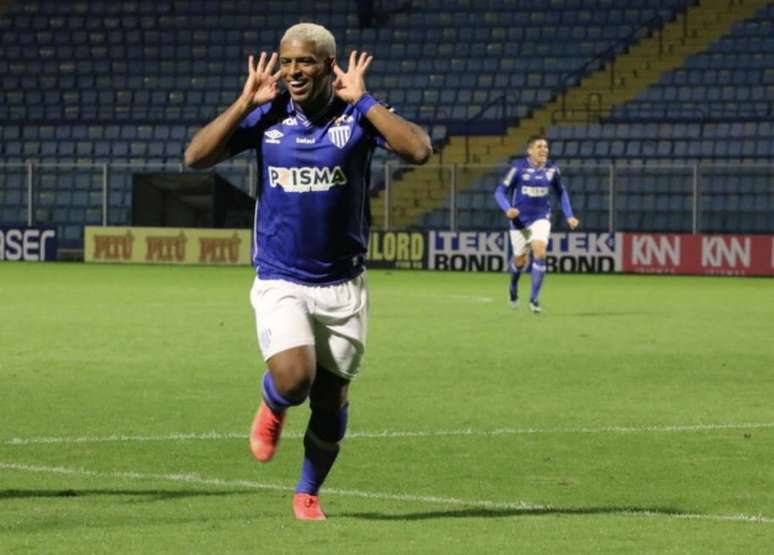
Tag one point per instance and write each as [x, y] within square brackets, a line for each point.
[712, 110]
[439, 61]
[127, 83]
[715, 108]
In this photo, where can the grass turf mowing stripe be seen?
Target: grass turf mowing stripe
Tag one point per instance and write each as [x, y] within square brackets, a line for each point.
[520, 506]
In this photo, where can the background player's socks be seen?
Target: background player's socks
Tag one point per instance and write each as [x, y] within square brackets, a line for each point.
[321, 447]
[538, 271]
[513, 291]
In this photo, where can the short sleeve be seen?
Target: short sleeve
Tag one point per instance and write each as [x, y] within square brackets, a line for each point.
[248, 134]
[372, 132]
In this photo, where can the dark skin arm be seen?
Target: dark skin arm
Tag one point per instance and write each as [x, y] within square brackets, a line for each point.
[406, 139]
[210, 144]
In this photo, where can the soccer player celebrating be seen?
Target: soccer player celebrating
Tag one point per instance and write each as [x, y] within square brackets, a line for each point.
[524, 195]
[313, 144]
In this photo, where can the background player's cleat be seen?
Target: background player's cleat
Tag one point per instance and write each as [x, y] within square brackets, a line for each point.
[265, 432]
[307, 507]
[534, 306]
[513, 299]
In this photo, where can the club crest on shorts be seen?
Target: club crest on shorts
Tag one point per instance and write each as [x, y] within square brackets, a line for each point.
[339, 135]
[265, 339]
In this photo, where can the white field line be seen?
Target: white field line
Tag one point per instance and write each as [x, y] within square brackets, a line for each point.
[219, 436]
[516, 507]
[474, 298]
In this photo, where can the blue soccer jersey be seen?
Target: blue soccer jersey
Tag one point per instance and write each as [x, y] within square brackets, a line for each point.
[528, 188]
[312, 216]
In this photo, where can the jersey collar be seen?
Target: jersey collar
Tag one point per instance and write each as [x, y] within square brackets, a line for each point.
[319, 116]
[537, 167]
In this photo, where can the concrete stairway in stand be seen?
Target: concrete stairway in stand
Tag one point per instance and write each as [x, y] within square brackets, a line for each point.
[417, 191]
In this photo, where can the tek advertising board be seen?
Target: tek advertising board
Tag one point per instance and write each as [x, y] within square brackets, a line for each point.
[22, 243]
[475, 251]
[165, 245]
[584, 253]
[468, 251]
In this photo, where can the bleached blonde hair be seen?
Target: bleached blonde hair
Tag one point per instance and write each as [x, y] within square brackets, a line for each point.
[318, 35]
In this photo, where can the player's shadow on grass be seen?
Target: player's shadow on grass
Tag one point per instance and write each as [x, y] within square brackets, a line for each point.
[604, 314]
[515, 512]
[150, 495]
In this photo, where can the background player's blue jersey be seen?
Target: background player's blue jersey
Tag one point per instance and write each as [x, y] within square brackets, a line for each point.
[528, 188]
[312, 217]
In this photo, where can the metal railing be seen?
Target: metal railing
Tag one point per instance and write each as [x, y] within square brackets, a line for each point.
[685, 198]
[69, 195]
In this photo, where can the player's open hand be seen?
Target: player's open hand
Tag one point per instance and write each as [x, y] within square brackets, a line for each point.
[573, 223]
[350, 85]
[512, 213]
[261, 84]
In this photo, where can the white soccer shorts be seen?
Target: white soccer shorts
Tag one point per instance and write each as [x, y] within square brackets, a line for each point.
[333, 318]
[539, 230]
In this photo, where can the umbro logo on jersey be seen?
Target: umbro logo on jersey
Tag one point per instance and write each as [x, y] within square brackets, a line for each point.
[306, 179]
[343, 119]
[339, 135]
[273, 136]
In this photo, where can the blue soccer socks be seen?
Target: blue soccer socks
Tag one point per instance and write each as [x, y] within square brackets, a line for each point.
[325, 431]
[276, 402]
[538, 272]
[513, 290]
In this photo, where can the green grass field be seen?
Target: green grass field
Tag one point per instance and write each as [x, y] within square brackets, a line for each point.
[635, 415]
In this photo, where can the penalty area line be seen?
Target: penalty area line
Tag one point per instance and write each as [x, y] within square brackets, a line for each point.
[516, 507]
[387, 434]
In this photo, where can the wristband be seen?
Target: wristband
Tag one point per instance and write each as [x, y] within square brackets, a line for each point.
[365, 103]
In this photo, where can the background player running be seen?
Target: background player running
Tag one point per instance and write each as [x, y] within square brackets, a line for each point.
[524, 195]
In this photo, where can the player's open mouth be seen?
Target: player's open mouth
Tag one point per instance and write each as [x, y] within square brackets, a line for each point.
[298, 86]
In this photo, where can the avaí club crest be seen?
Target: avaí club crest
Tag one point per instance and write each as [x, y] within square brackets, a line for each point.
[339, 135]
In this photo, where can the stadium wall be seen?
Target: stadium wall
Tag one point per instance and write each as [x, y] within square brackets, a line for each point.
[656, 253]
[447, 251]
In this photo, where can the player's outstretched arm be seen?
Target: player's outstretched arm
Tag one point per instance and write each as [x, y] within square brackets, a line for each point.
[572, 221]
[564, 198]
[406, 139]
[210, 144]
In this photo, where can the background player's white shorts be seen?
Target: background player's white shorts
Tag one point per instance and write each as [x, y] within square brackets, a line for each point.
[539, 230]
[333, 318]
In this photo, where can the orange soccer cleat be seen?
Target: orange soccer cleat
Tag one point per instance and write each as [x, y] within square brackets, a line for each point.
[307, 507]
[265, 432]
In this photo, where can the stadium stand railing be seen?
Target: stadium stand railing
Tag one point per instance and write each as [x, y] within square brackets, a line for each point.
[679, 198]
[711, 197]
